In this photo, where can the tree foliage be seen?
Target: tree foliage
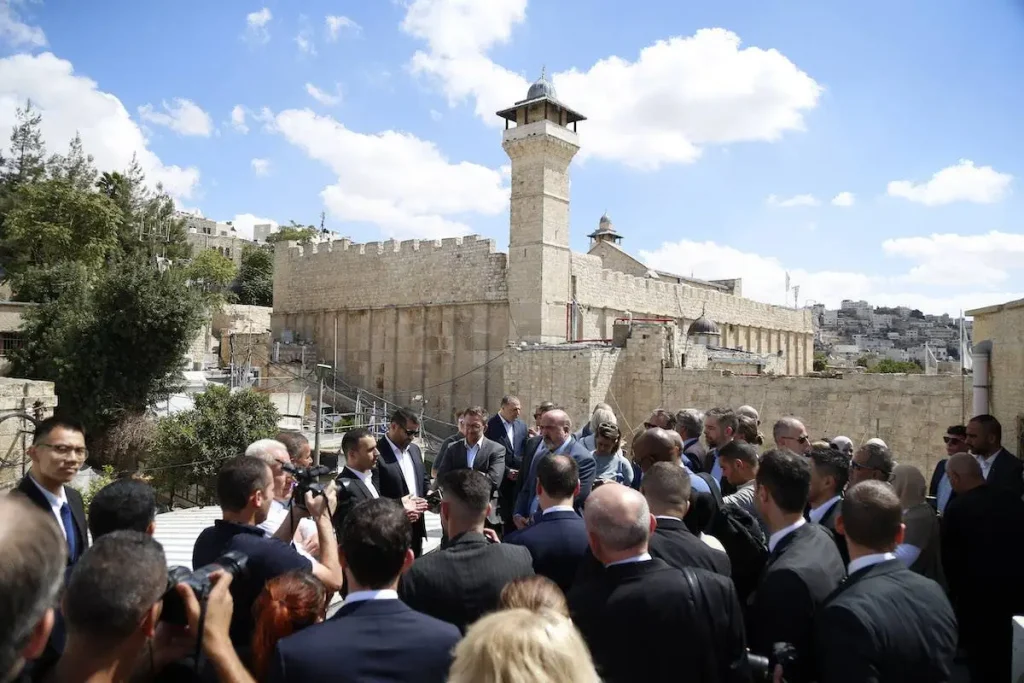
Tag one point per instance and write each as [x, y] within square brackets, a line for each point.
[890, 366]
[190, 446]
[211, 271]
[255, 286]
[303, 234]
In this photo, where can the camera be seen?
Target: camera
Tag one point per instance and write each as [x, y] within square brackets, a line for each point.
[306, 479]
[232, 562]
[763, 668]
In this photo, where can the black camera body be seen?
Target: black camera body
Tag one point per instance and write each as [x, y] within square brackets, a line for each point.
[763, 668]
[232, 562]
[307, 479]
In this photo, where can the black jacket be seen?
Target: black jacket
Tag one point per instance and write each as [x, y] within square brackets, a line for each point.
[679, 547]
[392, 483]
[463, 582]
[800, 573]
[829, 522]
[1007, 472]
[489, 460]
[886, 623]
[351, 492]
[28, 488]
[557, 542]
[698, 455]
[641, 623]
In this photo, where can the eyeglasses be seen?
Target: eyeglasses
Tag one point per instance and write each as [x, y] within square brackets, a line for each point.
[952, 439]
[64, 450]
[857, 466]
[648, 425]
[411, 432]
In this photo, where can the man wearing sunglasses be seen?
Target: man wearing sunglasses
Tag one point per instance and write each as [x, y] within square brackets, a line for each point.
[790, 433]
[940, 488]
[873, 460]
[401, 472]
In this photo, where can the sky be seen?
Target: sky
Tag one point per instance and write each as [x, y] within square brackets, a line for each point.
[870, 150]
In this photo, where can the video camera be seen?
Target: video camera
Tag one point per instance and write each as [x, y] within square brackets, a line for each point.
[306, 479]
[763, 668]
[232, 562]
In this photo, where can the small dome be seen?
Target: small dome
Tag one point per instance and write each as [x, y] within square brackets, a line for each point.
[541, 88]
[702, 326]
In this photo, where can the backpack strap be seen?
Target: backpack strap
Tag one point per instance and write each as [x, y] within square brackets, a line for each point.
[716, 489]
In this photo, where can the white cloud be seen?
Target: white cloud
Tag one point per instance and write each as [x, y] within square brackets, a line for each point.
[963, 182]
[844, 199]
[182, 116]
[394, 180]
[679, 95]
[790, 202]
[70, 103]
[260, 166]
[305, 42]
[244, 223]
[16, 32]
[256, 25]
[336, 24]
[324, 97]
[435, 115]
[238, 119]
[764, 278]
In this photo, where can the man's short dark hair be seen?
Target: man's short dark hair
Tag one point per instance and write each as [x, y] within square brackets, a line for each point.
[375, 537]
[725, 417]
[691, 421]
[295, 442]
[957, 430]
[122, 505]
[879, 458]
[559, 475]
[469, 489]
[990, 424]
[544, 407]
[508, 398]
[475, 411]
[31, 574]
[113, 585]
[238, 479]
[666, 485]
[831, 463]
[739, 450]
[403, 416]
[670, 419]
[787, 476]
[44, 428]
[352, 438]
[872, 515]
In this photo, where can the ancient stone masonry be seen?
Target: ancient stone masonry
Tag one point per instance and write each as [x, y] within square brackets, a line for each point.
[1003, 326]
[20, 396]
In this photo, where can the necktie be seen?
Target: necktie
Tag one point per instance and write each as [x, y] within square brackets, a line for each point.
[69, 529]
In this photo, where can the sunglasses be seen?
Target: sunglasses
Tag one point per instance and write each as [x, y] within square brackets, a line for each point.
[952, 439]
[411, 432]
[857, 466]
[648, 425]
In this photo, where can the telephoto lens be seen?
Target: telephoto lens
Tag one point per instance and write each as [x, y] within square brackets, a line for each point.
[232, 562]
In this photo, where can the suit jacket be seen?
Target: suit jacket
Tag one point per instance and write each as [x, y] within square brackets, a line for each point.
[526, 461]
[463, 582]
[937, 474]
[513, 451]
[392, 482]
[698, 455]
[829, 522]
[528, 475]
[28, 488]
[657, 615]
[886, 623]
[490, 459]
[557, 542]
[1007, 472]
[442, 450]
[679, 547]
[800, 573]
[351, 492]
[371, 640]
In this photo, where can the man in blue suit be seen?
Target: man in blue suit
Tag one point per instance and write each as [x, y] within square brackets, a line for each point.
[374, 636]
[557, 541]
[508, 430]
[556, 430]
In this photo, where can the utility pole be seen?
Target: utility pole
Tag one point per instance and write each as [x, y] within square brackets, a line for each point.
[319, 413]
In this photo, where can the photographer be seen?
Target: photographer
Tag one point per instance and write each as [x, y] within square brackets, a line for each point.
[245, 489]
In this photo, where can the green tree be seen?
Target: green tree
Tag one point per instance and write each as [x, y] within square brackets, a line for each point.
[303, 234]
[255, 286]
[890, 366]
[26, 162]
[112, 342]
[211, 271]
[820, 362]
[106, 476]
[190, 446]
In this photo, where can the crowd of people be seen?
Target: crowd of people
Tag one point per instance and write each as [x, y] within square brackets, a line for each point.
[682, 550]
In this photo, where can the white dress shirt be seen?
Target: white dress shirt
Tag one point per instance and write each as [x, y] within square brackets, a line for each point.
[362, 596]
[817, 513]
[868, 560]
[56, 503]
[559, 508]
[471, 452]
[986, 463]
[782, 533]
[405, 462]
[510, 431]
[367, 479]
[630, 560]
[275, 517]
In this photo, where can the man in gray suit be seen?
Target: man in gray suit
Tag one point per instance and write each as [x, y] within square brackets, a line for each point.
[477, 452]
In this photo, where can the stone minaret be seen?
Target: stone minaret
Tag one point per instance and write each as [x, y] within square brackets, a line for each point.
[541, 145]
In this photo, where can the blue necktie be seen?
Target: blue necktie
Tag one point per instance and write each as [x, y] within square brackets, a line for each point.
[69, 529]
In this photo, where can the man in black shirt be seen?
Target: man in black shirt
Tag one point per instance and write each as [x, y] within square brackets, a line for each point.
[245, 488]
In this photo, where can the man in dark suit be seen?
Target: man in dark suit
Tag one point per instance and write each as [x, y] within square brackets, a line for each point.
[357, 481]
[531, 446]
[557, 541]
[644, 620]
[939, 488]
[885, 622]
[374, 636]
[803, 565]
[442, 450]
[666, 487]
[690, 425]
[401, 473]
[982, 550]
[1000, 467]
[830, 470]
[506, 428]
[462, 582]
[556, 429]
[479, 453]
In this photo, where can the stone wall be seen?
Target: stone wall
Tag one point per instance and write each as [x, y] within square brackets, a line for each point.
[20, 396]
[240, 318]
[1003, 325]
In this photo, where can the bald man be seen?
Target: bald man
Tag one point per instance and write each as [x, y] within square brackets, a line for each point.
[557, 439]
[982, 551]
[650, 601]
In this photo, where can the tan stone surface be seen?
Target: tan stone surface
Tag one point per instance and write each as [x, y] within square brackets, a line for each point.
[20, 396]
[1004, 327]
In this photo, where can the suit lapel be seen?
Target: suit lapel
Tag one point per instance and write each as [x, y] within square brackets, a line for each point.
[417, 468]
[364, 493]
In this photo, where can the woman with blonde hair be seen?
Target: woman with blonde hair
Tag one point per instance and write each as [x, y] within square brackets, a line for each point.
[520, 646]
[920, 547]
[533, 593]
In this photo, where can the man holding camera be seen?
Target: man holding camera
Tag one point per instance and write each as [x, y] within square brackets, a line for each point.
[245, 489]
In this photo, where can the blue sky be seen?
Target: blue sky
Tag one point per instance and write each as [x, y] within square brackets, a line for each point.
[872, 152]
